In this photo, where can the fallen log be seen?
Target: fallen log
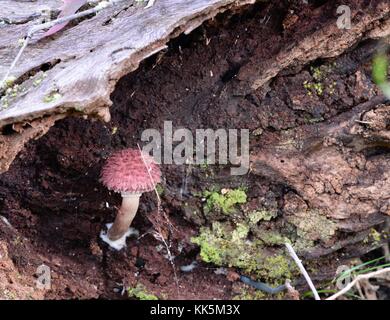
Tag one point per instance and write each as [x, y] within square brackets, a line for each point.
[319, 173]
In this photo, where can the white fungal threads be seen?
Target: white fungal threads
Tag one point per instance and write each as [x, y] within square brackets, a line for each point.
[150, 4]
[190, 267]
[102, 5]
[121, 242]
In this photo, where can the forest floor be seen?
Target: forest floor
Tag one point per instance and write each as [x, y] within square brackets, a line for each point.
[56, 207]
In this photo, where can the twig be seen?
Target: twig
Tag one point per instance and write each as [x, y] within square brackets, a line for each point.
[386, 252]
[363, 122]
[158, 235]
[155, 189]
[34, 29]
[150, 176]
[303, 270]
[12, 66]
[292, 293]
[356, 280]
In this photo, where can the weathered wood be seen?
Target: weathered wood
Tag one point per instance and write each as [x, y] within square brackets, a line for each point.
[317, 168]
[328, 41]
[85, 61]
[333, 174]
[19, 12]
[96, 52]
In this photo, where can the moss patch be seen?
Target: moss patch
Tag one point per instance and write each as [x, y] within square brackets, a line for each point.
[227, 245]
[224, 201]
[140, 293]
[51, 97]
[272, 238]
[314, 225]
[318, 86]
[250, 294]
[373, 237]
[260, 215]
[160, 189]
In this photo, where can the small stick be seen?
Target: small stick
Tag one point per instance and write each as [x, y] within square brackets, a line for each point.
[303, 270]
[291, 291]
[156, 233]
[356, 280]
[150, 176]
[363, 122]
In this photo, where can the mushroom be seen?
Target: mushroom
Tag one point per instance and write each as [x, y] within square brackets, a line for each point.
[130, 172]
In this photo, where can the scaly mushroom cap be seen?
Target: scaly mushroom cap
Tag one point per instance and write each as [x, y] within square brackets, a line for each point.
[127, 171]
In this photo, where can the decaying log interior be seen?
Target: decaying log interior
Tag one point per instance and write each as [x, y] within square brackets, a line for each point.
[319, 142]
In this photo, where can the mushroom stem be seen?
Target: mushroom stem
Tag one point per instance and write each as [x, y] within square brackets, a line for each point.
[125, 216]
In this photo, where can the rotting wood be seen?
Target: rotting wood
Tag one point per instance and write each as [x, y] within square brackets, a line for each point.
[324, 42]
[10, 145]
[322, 166]
[87, 60]
[84, 87]
[316, 169]
[94, 54]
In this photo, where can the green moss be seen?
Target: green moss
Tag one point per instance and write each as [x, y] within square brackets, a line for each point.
[140, 293]
[160, 189]
[11, 92]
[204, 166]
[314, 225]
[380, 65]
[9, 82]
[225, 245]
[211, 243]
[319, 75]
[51, 97]
[277, 267]
[225, 202]
[273, 238]
[250, 294]
[373, 237]
[241, 232]
[303, 245]
[260, 215]
[314, 87]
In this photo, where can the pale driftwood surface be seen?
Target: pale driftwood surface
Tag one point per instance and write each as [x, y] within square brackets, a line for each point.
[87, 59]
[96, 52]
[24, 11]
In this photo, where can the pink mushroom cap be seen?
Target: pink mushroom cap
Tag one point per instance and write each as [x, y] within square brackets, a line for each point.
[127, 171]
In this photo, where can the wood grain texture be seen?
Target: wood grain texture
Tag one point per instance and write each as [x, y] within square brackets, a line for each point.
[86, 60]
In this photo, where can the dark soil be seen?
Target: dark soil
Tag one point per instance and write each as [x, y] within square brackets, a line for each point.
[57, 207]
